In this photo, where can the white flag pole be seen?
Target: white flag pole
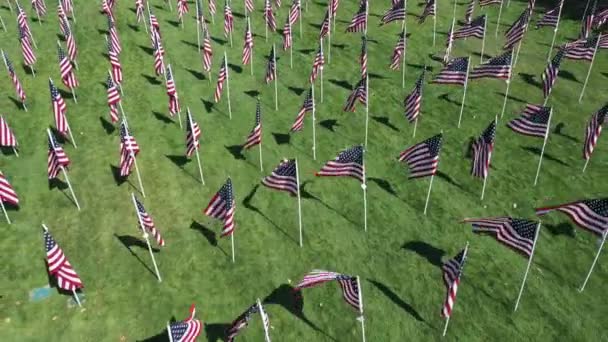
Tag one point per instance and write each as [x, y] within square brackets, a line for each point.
[70, 132]
[361, 318]
[169, 333]
[145, 23]
[145, 236]
[415, 126]
[10, 7]
[76, 298]
[9, 220]
[403, 54]
[454, 12]
[597, 255]
[322, 67]
[364, 187]
[65, 174]
[301, 19]
[504, 103]
[597, 44]
[179, 112]
[228, 85]
[299, 201]
[314, 124]
[276, 79]
[73, 10]
[198, 158]
[141, 185]
[428, 194]
[485, 179]
[559, 16]
[170, 6]
[498, 21]
[586, 163]
[251, 59]
[447, 321]
[435, 23]
[264, 320]
[464, 93]
[198, 27]
[542, 152]
[261, 164]
[290, 46]
[15, 151]
[523, 283]
[232, 244]
[2, 22]
[328, 33]
[483, 41]
[367, 98]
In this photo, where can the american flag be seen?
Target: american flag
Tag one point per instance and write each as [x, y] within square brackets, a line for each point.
[221, 77]
[147, 223]
[516, 32]
[7, 138]
[603, 42]
[39, 6]
[278, 3]
[70, 40]
[139, 10]
[249, 6]
[115, 64]
[452, 271]
[551, 73]
[349, 162]
[106, 7]
[241, 322]
[350, 290]
[128, 150]
[174, 107]
[363, 56]
[29, 58]
[359, 93]
[601, 17]
[482, 151]
[222, 207]
[67, 71]
[551, 17]
[59, 109]
[247, 46]
[186, 330]
[294, 12]
[307, 106]
[269, 16]
[193, 133]
[22, 22]
[317, 65]
[113, 99]
[287, 36]
[475, 28]
[593, 130]
[67, 5]
[182, 8]
[228, 20]
[212, 7]
[483, 3]
[497, 67]
[359, 21]
[154, 27]
[413, 101]
[316, 277]
[515, 233]
[56, 158]
[587, 23]
[255, 137]
[582, 49]
[398, 52]
[397, 12]
[207, 50]
[7, 193]
[423, 158]
[469, 11]
[590, 214]
[325, 26]
[534, 121]
[334, 7]
[159, 63]
[59, 266]
[284, 177]
[455, 72]
[271, 67]
[200, 17]
[114, 35]
[13, 75]
[429, 10]
[61, 15]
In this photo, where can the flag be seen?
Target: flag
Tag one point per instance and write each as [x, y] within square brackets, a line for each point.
[147, 223]
[325, 26]
[186, 330]
[516, 32]
[601, 17]
[515, 233]
[469, 12]
[29, 58]
[22, 22]
[159, 63]
[39, 6]
[67, 5]
[7, 138]
[106, 7]
[497, 67]
[334, 7]
[349, 162]
[307, 106]
[582, 49]
[317, 65]
[452, 271]
[129, 149]
[70, 40]
[397, 12]
[412, 102]
[249, 6]
[398, 52]
[139, 10]
[363, 56]
[359, 93]
[56, 158]
[154, 27]
[269, 16]
[534, 121]
[483, 3]
[255, 137]
[284, 177]
[13, 75]
[207, 51]
[587, 23]
[594, 128]
[590, 214]
[316, 277]
[113, 99]
[287, 37]
[193, 133]
[182, 8]
[221, 77]
[212, 7]
[455, 72]
[551, 17]
[350, 290]
[115, 64]
[429, 10]
[7, 193]
[247, 46]
[423, 158]
[603, 42]
[174, 107]
[61, 15]
[271, 67]
[482, 152]
[278, 3]
[476, 28]
[551, 73]
[222, 207]
[67, 71]
[228, 20]
[359, 21]
[294, 12]
[241, 322]
[114, 35]
[59, 109]
[59, 266]
[200, 17]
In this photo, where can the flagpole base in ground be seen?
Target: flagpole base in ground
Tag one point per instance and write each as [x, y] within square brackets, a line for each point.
[6, 214]
[597, 255]
[428, 195]
[445, 328]
[586, 163]
[67, 180]
[232, 245]
[76, 298]
[523, 283]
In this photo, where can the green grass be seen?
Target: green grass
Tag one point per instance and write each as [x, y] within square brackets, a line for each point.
[124, 299]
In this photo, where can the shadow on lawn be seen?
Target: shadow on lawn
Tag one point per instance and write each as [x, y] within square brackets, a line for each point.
[197, 74]
[180, 161]
[385, 121]
[537, 151]
[162, 117]
[342, 84]
[296, 90]
[530, 79]
[151, 79]
[559, 131]
[128, 247]
[384, 185]
[564, 228]
[281, 139]
[107, 126]
[329, 124]
[16, 102]
[397, 300]
[430, 253]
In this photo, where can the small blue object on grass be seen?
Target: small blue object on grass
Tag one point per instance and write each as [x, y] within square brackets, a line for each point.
[40, 293]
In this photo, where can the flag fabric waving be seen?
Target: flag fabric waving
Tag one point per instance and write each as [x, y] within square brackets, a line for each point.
[452, 271]
[29, 57]
[241, 322]
[39, 7]
[66, 69]
[455, 72]
[294, 12]
[193, 133]
[317, 65]
[534, 121]
[174, 107]
[228, 20]
[516, 32]
[582, 49]
[186, 330]
[114, 35]
[497, 67]
[515, 233]
[146, 221]
[430, 8]
[115, 64]
[59, 266]
[247, 47]
[551, 73]
[413, 100]
[129, 149]
[207, 50]
[359, 21]
[59, 109]
[590, 214]
[358, 94]
[475, 28]
[551, 17]
[13, 75]
[271, 67]
[113, 99]
[423, 158]
[221, 77]
[287, 36]
[593, 130]
[325, 25]
[255, 137]
[350, 290]
[182, 8]
[7, 193]
[482, 151]
[348, 163]
[307, 106]
[363, 56]
[316, 277]
[139, 10]
[469, 12]
[397, 12]
[483, 3]
[222, 207]
[269, 16]
[283, 177]
[56, 158]
[7, 138]
[159, 63]
[70, 41]
[398, 52]
[587, 23]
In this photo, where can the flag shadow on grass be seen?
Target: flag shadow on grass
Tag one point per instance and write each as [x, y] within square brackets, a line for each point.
[151, 79]
[128, 247]
[236, 68]
[27, 70]
[329, 124]
[478, 54]
[52, 281]
[450, 180]
[7, 150]
[17, 103]
[180, 161]
[307, 195]
[219, 40]
[208, 234]
[62, 186]
[384, 185]
[281, 139]
[162, 117]
[147, 50]
[66, 94]
[173, 23]
[296, 90]
[190, 44]
[236, 151]
[197, 74]
[548, 156]
[384, 120]
[107, 126]
[131, 241]
[133, 27]
[341, 83]
[530, 79]
[117, 177]
[216, 331]
[160, 337]
[208, 105]
[567, 75]
[430, 253]
[563, 228]
[252, 93]
[512, 98]
[446, 97]
[396, 299]
[558, 130]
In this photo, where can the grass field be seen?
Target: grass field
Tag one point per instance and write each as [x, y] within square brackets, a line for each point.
[397, 259]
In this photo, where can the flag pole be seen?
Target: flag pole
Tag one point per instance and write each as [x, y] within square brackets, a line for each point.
[498, 21]
[170, 6]
[145, 236]
[145, 23]
[559, 15]
[504, 103]
[597, 44]
[232, 244]
[597, 255]
[169, 333]
[73, 11]
[314, 123]
[428, 194]
[485, 179]
[364, 187]
[198, 158]
[179, 112]
[434, 23]
[523, 283]
[228, 85]
[38, 15]
[301, 19]
[198, 27]
[366, 106]
[328, 33]
[276, 79]
[70, 186]
[70, 132]
[483, 41]
[334, 14]
[361, 318]
[2, 22]
[9, 220]
[415, 126]
[15, 151]
[454, 12]
[10, 7]
[447, 321]
[403, 54]
[290, 46]
[464, 93]
[141, 185]
[299, 202]
[261, 164]
[251, 59]
[76, 297]
[312, 85]
[542, 152]
[586, 162]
